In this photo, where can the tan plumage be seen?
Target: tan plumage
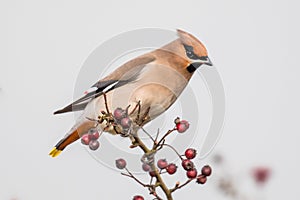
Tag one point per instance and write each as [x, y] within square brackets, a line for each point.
[154, 79]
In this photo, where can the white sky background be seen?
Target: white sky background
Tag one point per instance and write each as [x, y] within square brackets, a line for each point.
[254, 45]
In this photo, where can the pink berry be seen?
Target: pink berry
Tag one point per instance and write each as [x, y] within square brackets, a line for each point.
[146, 167]
[162, 163]
[125, 122]
[171, 168]
[206, 170]
[94, 145]
[118, 113]
[187, 164]
[182, 126]
[201, 179]
[190, 153]
[85, 139]
[138, 197]
[94, 136]
[191, 173]
[121, 163]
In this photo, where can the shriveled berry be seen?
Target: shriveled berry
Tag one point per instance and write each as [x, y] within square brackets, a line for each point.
[85, 139]
[191, 173]
[121, 163]
[177, 120]
[94, 136]
[125, 122]
[146, 167]
[119, 113]
[187, 164]
[162, 163]
[138, 197]
[190, 153]
[182, 126]
[171, 168]
[206, 170]
[201, 179]
[94, 145]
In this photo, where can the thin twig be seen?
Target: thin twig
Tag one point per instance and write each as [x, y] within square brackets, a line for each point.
[182, 185]
[148, 134]
[153, 192]
[137, 180]
[163, 138]
[136, 106]
[157, 134]
[167, 145]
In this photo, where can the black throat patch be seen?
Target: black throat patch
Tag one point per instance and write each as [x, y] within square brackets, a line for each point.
[193, 66]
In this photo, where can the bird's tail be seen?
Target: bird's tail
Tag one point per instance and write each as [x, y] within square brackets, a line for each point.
[74, 135]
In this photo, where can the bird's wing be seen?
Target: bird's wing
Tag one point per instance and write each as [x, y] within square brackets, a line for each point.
[121, 76]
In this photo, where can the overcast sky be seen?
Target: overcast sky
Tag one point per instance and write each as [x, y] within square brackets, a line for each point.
[254, 45]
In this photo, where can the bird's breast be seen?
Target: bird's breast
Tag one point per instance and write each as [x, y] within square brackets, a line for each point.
[156, 87]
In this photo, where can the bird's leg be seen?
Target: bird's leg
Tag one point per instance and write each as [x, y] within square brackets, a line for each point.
[105, 101]
[145, 117]
[136, 106]
[126, 110]
[139, 112]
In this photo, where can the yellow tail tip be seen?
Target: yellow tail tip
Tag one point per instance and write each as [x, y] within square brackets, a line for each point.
[54, 152]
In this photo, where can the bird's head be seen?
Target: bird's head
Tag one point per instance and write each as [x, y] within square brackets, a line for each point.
[193, 51]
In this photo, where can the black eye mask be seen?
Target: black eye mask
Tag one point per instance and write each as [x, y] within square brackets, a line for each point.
[190, 52]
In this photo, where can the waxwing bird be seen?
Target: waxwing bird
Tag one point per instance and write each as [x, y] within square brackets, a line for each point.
[152, 81]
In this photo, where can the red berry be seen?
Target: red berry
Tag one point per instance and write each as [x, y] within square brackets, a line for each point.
[201, 179]
[187, 164]
[146, 167]
[162, 163]
[191, 173]
[171, 168]
[152, 173]
[182, 126]
[94, 145]
[121, 163]
[119, 113]
[125, 122]
[261, 174]
[206, 170]
[190, 153]
[85, 139]
[138, 197]
[94, 136]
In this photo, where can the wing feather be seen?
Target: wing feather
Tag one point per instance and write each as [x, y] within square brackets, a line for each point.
[121, 76]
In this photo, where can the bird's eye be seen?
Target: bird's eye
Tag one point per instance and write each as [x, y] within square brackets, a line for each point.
[190, 52]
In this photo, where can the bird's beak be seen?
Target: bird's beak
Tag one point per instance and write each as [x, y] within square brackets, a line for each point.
[207, 61]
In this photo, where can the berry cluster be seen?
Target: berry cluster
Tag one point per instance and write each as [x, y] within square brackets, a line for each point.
[123, 124]
[121, 117]
[91, 139]
[187, 164]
